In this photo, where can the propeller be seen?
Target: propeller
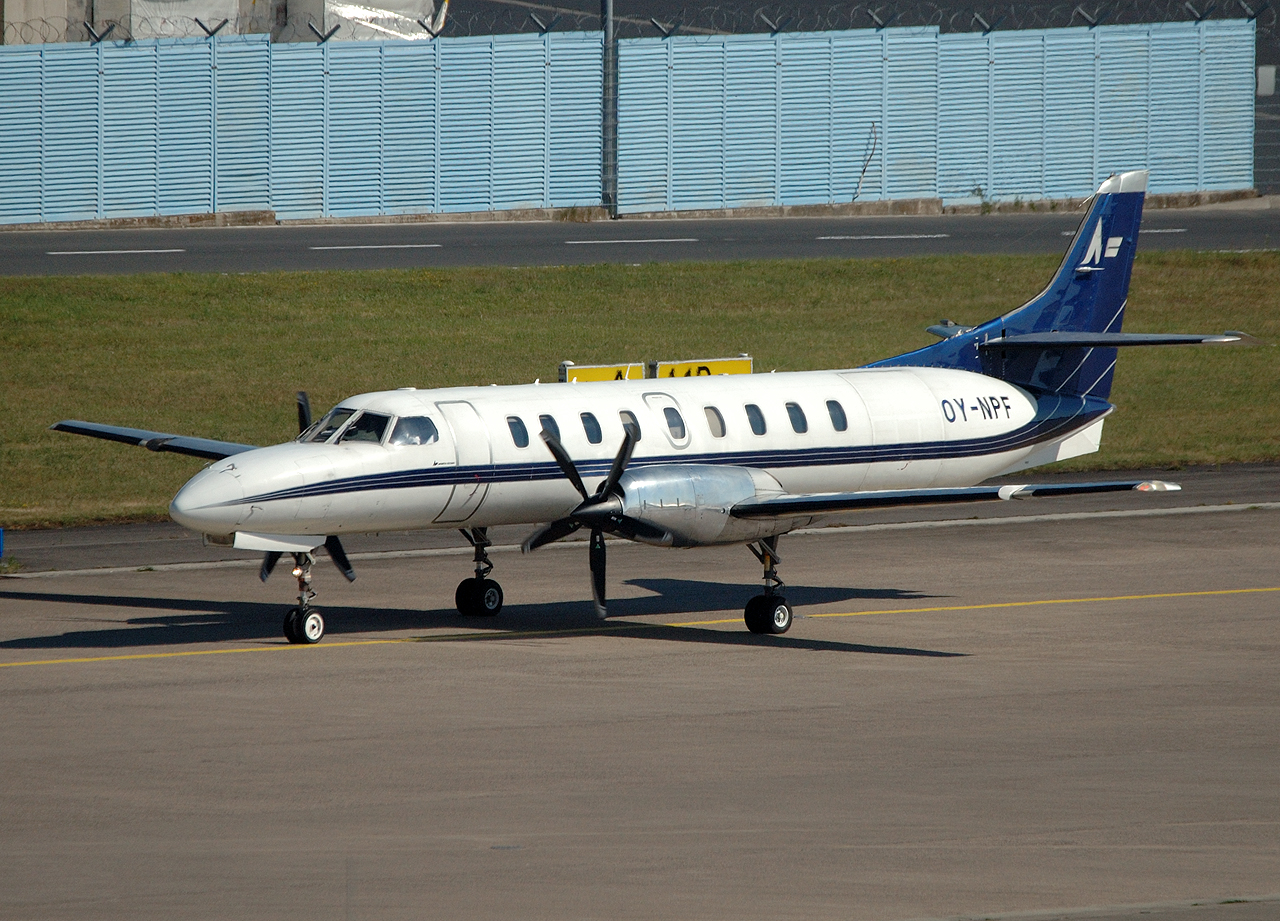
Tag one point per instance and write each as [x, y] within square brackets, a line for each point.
[331, 543]
[601, 512]
[304, 411]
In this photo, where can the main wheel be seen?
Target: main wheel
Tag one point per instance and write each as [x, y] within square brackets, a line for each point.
[478, 597]
[768, 614]
[310, 627]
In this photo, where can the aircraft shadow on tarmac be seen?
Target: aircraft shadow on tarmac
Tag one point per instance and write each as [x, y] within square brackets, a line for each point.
[191, 621]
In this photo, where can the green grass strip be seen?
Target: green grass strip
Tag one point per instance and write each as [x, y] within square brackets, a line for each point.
[221, 355]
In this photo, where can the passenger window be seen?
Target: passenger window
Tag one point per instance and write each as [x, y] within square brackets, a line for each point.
[674, 423]
[368, 427]
[549, 425]
[798, 422]
[333, 421]
[630, 423]
[592, 428]
[519, 434]
[756, 418]
[715, 421]
[414, 430]
[838, 420]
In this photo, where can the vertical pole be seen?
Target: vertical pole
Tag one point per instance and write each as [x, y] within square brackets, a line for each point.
[609, 139]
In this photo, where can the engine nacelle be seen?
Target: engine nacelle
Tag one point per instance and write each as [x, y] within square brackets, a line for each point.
[691, 502]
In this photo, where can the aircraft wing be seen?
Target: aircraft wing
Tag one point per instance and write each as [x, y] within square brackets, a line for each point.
[829, 503]
[154, 441]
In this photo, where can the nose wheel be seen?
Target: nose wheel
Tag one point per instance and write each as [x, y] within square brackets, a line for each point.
[768, 613]
[479, 596]
[303, 623]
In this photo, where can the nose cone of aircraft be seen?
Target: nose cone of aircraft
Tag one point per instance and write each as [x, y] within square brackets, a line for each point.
[211, 501]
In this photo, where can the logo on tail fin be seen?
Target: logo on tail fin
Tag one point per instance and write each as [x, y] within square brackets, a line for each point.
[1094, 254]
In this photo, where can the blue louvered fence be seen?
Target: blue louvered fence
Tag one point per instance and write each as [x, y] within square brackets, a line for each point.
[733, 121]
[183, 126]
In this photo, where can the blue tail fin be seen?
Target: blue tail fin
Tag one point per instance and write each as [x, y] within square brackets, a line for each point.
[1086, 296]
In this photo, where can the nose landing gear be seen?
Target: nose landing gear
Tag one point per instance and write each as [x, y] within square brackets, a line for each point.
[303, 624]
[768, 613]
[479, 596]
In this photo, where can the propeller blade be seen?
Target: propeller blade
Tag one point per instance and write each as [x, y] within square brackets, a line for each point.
[304, 411]
[619, 464]
[562, 458]
[339, 557]
[597, 572]
[555, 531]
[269, 561]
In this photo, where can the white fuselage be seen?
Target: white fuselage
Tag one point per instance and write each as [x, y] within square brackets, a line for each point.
[868, 429]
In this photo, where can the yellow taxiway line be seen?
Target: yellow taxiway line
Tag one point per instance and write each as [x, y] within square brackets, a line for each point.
[526, 634]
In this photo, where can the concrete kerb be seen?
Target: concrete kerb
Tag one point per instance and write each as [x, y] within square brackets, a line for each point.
[1239, 199]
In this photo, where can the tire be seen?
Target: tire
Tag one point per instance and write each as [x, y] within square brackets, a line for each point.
[311, 628]
[755, 615]
[489, 598]
[768, 614]
[466, 598]
[292, 626]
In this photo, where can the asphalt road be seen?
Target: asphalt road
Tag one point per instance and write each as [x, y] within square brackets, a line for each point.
[1039, 718]
[367, 246]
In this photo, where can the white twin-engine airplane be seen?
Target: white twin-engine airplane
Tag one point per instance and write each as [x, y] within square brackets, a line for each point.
[702, 461]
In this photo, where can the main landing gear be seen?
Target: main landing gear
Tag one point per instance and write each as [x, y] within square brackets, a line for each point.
[768, 613]
[303, 624]
[479, 596]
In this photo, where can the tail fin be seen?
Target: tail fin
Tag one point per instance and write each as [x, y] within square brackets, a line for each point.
[1033, 346]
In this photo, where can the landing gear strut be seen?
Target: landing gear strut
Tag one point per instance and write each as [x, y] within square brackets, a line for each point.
[479, 596]
[303, 624]
[768, 613]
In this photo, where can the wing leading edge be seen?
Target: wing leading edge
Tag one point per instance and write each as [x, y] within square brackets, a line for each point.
[830, 503]
[154, 441]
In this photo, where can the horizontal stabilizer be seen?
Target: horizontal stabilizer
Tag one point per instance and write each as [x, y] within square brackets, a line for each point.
[1066, 340]
[830, 503]
[155, 441]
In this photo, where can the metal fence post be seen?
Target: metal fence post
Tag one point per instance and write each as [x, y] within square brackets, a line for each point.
[609, 141]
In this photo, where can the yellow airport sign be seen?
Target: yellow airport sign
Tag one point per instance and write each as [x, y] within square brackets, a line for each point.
[705, 367]
[628, 372]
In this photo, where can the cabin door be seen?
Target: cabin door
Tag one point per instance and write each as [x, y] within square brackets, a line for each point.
[475, 461]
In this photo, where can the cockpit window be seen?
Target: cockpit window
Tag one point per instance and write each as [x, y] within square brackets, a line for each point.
[414, 430]
[368, 427]
[323, 430]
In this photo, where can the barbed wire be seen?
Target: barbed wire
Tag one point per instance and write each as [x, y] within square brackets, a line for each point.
[667, 18]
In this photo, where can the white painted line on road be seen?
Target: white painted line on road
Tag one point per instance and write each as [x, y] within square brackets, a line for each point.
[621, 543]
[385, 246]
[108, 252]
[1144, 230]
[667, 240]
[891, 236]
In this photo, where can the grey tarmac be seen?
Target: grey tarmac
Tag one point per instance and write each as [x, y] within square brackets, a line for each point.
[1066, 717]
[1245, 225]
